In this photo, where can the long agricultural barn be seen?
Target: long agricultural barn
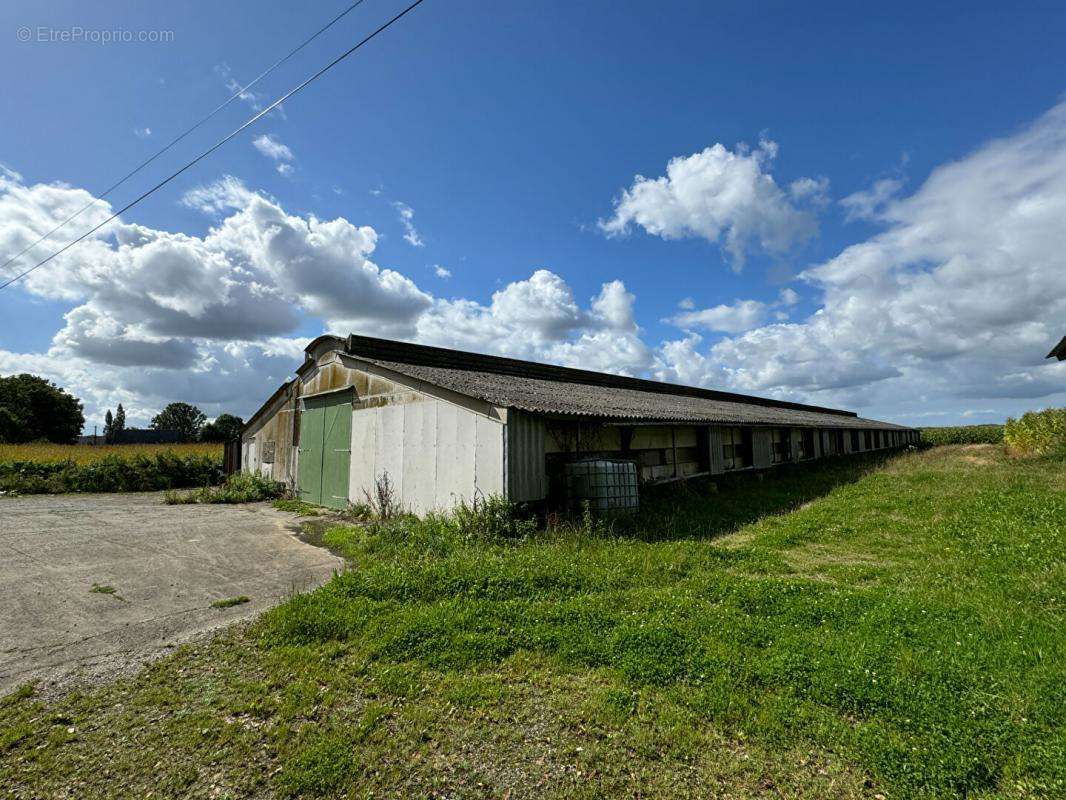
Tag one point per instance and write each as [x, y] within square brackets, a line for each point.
[447, 426]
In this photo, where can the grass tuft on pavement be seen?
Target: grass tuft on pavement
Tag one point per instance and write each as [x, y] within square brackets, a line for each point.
[230, 602]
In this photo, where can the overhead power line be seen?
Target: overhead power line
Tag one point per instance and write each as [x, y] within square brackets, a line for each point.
[239, 93]
[220, 142]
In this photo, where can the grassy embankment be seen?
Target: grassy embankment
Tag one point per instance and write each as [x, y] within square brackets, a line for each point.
[852, 630]
[56, 468]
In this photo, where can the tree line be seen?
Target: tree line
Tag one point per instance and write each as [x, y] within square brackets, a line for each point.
[33, 409]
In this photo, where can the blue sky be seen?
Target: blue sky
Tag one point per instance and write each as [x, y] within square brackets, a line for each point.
[511, 131]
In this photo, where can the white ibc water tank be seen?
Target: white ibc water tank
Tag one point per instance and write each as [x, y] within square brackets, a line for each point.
[605, 485]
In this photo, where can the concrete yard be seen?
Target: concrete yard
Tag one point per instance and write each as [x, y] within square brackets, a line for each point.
[166, 564]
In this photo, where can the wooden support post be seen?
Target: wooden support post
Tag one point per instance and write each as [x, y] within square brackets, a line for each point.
[673, 446]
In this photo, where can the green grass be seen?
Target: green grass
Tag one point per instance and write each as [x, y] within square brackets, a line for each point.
[239, 487]
[229, 602]
[860, 628]
[99, 588]
[299, 507]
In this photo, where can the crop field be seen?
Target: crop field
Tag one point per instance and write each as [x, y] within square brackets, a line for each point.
[1038, 432]
[963, 434]
[870, 627]
[86, 454]
[54, 468]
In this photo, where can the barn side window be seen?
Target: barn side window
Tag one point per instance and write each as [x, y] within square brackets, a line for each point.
[736, 447]
[867, 443]
[806, 443]
[782, 441]
[854, 441]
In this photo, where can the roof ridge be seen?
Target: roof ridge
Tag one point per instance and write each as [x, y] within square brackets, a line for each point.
[444, 358]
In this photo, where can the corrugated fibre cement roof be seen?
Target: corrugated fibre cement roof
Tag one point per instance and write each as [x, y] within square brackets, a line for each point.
[563, 391]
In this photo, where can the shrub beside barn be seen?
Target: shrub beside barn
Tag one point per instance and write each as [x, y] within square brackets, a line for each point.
[447, 426]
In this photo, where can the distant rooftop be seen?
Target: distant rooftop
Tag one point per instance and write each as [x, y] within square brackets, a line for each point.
[1059, 350]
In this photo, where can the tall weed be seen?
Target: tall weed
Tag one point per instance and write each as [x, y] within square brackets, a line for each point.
[240, 487]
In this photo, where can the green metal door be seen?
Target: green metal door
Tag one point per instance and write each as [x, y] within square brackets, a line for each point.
[337, 453]
[325, 449]
[309, 465]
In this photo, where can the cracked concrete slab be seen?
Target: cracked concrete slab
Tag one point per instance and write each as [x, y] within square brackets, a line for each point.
[167, 565]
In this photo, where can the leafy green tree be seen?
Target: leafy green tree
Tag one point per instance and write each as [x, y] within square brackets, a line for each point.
[224, 428]
[9, 424]
[119, 424]
[34, 409]
[181, 417]
[109, 428]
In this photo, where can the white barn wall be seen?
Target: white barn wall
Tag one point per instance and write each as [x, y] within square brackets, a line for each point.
[435, 453]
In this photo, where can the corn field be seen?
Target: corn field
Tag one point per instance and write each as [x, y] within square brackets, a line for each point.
[45, 453]
[57, 468]
[1037, 432]
[963, 434]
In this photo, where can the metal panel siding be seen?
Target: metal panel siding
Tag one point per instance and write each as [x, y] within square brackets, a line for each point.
[427, 493]
[488, 457]
[526, 476]
[414, 471]
[363, 473]
[464, 472]
[390, 447]
[761, 447]
[445, 455]
[431, 451]
[715, 460]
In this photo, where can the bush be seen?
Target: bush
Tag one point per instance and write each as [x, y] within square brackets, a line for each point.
[113, 473]
[240, 487]
[963, 434]
[1038, 432]
[487, 518]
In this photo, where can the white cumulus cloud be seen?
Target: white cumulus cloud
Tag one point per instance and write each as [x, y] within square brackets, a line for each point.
[958, 298]
[720, 194]
[950, 307]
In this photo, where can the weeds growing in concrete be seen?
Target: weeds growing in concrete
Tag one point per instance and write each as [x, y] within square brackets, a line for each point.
[238, 488]
[229, 602]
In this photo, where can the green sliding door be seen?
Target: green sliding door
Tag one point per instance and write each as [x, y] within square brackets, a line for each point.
[325, 449]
